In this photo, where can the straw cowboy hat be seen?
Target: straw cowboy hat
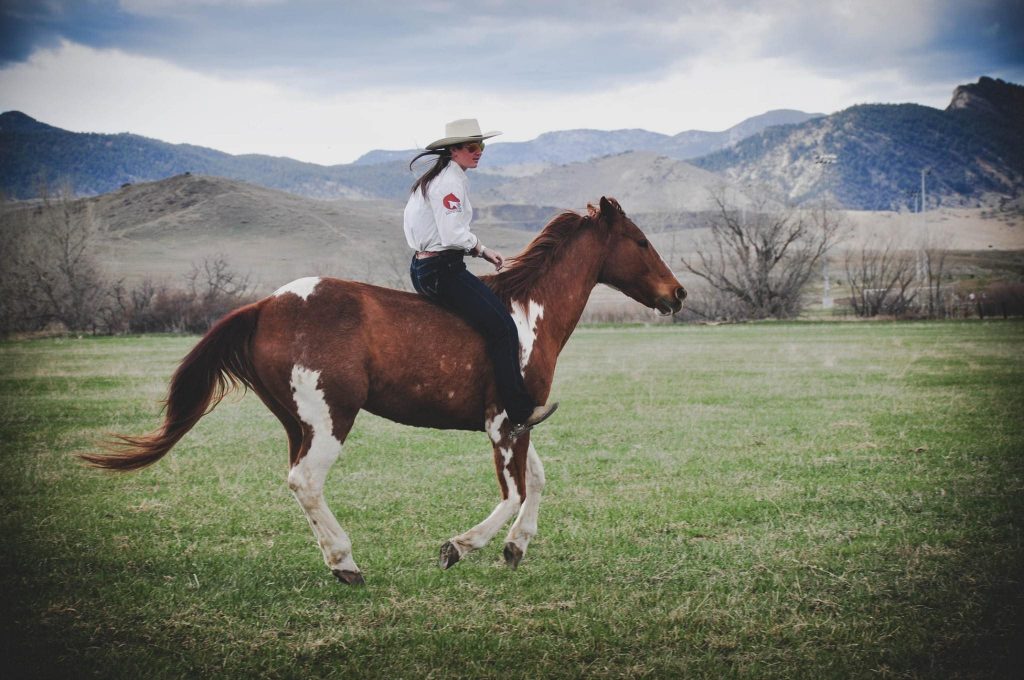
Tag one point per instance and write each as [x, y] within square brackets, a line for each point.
[460, 132]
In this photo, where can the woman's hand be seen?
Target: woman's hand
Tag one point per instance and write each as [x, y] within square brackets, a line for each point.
[494, 257]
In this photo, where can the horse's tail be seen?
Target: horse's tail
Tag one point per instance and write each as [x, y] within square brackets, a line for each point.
[219, 362]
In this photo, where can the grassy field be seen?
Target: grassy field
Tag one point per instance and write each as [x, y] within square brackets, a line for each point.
[765, 500]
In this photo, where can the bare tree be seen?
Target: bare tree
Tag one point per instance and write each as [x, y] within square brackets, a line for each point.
[214, 278]
[933, 264]
[763, 256]
[881, 279]
[50, 270]
[215, 290]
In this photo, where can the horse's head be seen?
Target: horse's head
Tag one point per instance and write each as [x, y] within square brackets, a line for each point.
[633, 266]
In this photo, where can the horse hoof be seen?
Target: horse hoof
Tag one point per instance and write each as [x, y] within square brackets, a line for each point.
[513, 555]
[449, 555]
[352, 578]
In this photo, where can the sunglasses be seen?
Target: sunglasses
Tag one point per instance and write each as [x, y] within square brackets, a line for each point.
[474, 147]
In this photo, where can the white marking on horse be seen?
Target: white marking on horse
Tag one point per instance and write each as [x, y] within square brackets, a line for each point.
[303, 287]
[525, 526]
[306, 478]
[478, 536]
[510, 484]
[312, 406]
[493, 427]
[526, 316]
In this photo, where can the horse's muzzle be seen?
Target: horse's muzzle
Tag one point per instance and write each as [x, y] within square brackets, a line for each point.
[671, 305]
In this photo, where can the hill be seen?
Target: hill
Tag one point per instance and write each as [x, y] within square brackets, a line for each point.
[659, 192]
[875, 154]
[160, 229]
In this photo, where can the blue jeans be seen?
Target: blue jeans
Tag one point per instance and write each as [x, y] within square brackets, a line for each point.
[445, 280]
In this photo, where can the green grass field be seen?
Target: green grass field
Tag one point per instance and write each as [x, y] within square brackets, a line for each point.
[766, 500]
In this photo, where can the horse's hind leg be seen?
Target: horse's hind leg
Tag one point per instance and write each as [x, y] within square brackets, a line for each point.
[321, 445]
[525, 526]
[504, 462]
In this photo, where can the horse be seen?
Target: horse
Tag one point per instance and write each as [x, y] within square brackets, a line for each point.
[318, 350]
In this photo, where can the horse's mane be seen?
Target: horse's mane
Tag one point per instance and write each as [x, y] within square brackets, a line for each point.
[522, 271]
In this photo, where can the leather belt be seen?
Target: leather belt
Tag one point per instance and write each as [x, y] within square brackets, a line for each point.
[450, 252]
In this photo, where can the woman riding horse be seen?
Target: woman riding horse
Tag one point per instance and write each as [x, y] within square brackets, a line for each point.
[437, 219]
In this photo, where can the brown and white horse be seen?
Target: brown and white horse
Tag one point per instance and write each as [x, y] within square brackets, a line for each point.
[318, 350]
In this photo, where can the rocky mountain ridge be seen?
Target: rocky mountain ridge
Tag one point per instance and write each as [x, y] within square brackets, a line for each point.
[34, 153]
[570, 146]
[872, 156]
[868, 156]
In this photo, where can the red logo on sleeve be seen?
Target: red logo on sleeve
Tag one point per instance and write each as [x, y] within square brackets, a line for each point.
[452, 203]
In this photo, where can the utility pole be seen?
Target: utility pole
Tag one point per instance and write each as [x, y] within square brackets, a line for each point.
[924, 227]
[924, 172]
[825, 161]
[826, 295]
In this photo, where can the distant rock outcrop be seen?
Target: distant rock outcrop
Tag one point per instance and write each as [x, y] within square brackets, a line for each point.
[872, 157]
[990, 96]
[18, 122]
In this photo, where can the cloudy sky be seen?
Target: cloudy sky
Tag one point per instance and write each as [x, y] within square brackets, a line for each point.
[325, 81]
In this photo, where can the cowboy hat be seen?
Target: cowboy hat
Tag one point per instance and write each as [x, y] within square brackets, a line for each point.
[460, 132]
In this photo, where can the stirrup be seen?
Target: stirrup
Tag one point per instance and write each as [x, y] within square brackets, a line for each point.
[539, 415]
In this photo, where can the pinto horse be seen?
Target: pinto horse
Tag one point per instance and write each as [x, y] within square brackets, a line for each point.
[318, 350]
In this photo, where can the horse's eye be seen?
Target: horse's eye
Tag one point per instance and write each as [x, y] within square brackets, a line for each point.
[642, 243]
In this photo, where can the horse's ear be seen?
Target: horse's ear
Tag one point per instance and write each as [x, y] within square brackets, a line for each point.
[610, 209]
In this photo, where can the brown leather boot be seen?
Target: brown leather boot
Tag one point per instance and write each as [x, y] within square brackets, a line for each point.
[539, 415]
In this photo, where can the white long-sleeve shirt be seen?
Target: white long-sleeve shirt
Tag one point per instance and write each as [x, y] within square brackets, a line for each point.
[441, 221]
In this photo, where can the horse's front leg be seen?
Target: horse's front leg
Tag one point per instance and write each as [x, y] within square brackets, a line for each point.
[525, 526]
[510, 464]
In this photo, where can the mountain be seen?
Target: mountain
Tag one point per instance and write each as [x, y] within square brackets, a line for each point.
[867, 157]
[696, 143]
[570, 146]
[34, 154]
[565, 146]
[871, 157]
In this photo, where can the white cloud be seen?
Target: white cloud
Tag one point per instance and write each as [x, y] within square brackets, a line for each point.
[90, 90]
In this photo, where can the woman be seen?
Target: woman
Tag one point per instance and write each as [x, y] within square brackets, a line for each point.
[437, 219]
